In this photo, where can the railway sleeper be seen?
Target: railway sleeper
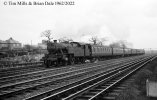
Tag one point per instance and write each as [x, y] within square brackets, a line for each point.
[96, 90]
[109, 98]
[113, 94]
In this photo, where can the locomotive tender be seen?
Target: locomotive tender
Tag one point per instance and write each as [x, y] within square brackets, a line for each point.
[75, 52]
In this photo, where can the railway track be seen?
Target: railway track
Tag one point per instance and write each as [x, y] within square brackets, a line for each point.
[48, 72]
[21, 68]
[24, 68]
[32, 67]
[17, 65]
[100, 88]
[23, 89]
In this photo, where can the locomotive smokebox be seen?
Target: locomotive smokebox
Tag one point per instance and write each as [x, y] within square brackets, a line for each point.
[55, 41]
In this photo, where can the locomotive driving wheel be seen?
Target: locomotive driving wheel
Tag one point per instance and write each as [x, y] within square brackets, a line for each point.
[48, 63]
[55, 63]
[72, 61]
[65, 63]
[82, 60]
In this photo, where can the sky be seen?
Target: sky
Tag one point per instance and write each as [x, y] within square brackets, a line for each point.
[134, 21]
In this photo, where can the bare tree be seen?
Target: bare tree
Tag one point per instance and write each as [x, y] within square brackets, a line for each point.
[94, 39]
[47, 34]
[123, 44]
[65, 40]
[101, 41]
[97, 41]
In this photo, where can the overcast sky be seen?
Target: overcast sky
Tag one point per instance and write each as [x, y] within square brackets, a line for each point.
[132, 20]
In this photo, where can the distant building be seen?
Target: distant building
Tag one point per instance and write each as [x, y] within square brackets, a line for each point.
[44, 42]
[3, 44]
[10, 44]
[43, 45]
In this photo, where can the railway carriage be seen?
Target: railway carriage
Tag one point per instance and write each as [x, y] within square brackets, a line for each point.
[143, 51]
[140, 51]
[118, 52]
[98, 51]
[127, 52]
[133, 51]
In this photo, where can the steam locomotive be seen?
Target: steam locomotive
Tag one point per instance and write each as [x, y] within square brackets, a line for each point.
[76, 52]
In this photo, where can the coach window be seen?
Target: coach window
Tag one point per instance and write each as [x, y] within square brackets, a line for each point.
[100, 49]
[93, 49]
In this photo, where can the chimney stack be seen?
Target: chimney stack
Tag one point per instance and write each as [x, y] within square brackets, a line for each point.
[55, 41]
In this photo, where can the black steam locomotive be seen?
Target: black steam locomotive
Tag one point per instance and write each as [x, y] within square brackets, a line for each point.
[76, 52]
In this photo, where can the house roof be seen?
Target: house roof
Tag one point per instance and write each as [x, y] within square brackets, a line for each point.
[2, 41]
[11, 40]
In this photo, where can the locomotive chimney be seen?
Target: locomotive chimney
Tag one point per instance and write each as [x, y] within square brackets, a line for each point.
[55, 41]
